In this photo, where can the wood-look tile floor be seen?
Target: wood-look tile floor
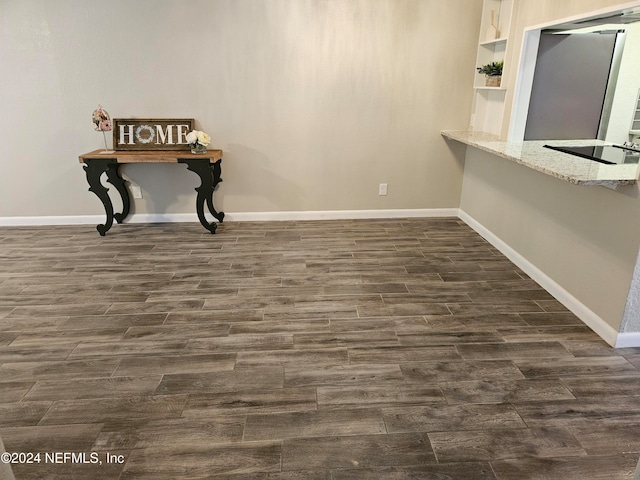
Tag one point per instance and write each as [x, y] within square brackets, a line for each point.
[364, 349]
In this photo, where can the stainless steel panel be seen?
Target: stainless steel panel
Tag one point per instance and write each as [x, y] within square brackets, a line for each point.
[569, 86]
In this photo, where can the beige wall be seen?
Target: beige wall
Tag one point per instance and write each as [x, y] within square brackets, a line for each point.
[585, 239]
[314, 102]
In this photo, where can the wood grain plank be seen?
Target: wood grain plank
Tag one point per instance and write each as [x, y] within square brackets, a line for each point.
[505, 444]
[361, 451]
[313, 424]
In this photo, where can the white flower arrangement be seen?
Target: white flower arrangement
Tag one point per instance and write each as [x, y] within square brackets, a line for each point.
[197, 137]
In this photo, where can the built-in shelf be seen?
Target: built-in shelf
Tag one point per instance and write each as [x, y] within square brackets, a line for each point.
[488, 102]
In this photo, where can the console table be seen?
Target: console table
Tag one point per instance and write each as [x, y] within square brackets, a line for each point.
[205, 165]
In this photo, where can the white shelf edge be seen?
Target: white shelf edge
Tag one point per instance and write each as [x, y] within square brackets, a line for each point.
[500, 89]
[489, 43]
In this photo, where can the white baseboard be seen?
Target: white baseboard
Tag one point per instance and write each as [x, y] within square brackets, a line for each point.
[579, 309]
[234, 217]
[342, 214]
[626, 340]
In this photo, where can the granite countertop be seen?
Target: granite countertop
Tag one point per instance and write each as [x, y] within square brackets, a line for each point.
[532, 154]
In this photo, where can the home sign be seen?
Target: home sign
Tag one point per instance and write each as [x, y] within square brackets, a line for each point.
[151, 133]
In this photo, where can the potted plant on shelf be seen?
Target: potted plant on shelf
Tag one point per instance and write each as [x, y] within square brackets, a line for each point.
[493, 73]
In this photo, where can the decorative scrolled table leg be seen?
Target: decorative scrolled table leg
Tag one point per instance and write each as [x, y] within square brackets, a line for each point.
[114, 178]
[209, 177]
[216, 169]
[94, 169]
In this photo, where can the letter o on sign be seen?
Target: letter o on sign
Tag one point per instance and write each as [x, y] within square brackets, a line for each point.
[146, 128]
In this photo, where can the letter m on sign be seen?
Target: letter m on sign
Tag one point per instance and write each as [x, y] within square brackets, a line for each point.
[164, 137]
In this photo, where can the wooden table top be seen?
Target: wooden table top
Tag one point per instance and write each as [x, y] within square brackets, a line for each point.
[150, 156]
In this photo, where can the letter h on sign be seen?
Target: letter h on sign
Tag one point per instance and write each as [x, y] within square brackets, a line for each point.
[124, 134]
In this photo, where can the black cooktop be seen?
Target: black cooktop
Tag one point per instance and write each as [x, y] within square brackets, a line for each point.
[607, 154]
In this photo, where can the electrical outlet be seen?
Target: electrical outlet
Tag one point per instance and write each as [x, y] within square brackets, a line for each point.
[382, 189]
[136, 191]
